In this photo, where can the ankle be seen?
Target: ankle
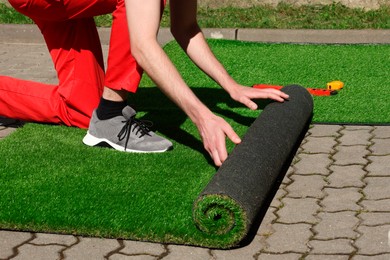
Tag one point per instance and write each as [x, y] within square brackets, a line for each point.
[114, 95]
[108, 109]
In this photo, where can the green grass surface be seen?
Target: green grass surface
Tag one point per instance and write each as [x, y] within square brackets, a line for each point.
[283, 16]
[50, 182]
[363, 68]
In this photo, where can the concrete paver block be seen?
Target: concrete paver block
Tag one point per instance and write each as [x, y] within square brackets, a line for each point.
[187, 252]
[319, 145]
[334, 246]
[379, 166]
[325, 130]
[375, 218]
[247, 252]
[289, 238]
[49, 252]
[142, 248]
[10, 240]
[356, 137]
[372, 257]
[6, 131]
[327, 257]
[275, 203]
[341, 199]
[336, 225]
[47, 239]
[133, 257]
[298, 211]
[373, 240]
[376, 205]
[265, 228]
[381, 146]
[347, 155]
[313, 164]
[265, 256]
[91, 249]
[346, 176]
[381, 132]
[313, 36]
[304, 186]
[377, 188]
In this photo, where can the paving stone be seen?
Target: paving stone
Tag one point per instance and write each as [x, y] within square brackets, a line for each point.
[336, 225]
[358, 128]
[327, 257]
[304, 186]
[265, 228]
[50, 239]
[5, 131]
[333, 247]
[381, 132]
[372, 257]
[187, 252]
[376, 205]
[144, 248]
[325, 130]
[132, 257]
[374, 240]
[265, 256]
[375, 218]
[346, 176]
[9, 240]
[379, 166]
[356, 137]
[377, 188]
[319, 145]
[91, 249]
[39, 252]
[289, 238]
[278, 196]
[298, 211]
[247, 252]
[347, 155]
[381, 146]
[341, 199]
[313, 164]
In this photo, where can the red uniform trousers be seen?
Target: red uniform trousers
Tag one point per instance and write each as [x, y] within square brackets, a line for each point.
[74, 45]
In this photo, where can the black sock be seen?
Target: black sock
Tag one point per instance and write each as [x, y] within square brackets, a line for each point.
[108, 109]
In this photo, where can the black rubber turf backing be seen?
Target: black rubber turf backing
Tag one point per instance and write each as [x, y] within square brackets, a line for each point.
[241, 190]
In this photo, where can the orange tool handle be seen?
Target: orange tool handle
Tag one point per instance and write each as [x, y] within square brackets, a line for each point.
[313, 91]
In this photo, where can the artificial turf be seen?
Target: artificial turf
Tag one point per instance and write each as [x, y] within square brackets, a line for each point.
[50, 182]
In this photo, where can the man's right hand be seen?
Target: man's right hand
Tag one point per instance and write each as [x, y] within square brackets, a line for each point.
[213, 131]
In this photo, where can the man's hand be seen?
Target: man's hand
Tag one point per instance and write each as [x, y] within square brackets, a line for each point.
[213, 130]
[245, 95]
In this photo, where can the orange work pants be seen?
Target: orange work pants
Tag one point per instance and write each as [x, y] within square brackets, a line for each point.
[74, 45]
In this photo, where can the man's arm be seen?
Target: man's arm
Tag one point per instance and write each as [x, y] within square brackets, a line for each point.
[143, 20]
[186, 31]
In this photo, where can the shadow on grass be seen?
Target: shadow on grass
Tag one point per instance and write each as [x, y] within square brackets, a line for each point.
[167, 118]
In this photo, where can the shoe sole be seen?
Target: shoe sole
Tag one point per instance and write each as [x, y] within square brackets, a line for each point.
[91, 140]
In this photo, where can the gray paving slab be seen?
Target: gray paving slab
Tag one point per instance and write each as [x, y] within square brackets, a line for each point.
[334, 202]
[309, 186]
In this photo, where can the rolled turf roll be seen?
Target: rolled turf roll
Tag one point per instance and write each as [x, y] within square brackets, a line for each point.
[244, 185]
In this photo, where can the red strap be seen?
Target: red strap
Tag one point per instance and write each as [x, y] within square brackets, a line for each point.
[313, 91]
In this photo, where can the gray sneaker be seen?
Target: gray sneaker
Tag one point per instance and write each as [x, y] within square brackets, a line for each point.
[125, 133]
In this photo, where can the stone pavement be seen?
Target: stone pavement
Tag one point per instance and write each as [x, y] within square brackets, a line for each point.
[334, 203]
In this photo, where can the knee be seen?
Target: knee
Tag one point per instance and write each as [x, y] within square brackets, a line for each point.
[19, 5]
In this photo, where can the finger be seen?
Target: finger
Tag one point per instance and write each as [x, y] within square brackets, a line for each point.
[231, 134]
[249, 103]
[270, 93]
[215, 157]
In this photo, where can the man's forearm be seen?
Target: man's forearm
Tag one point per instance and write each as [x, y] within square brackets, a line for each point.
[198, 50]
[158, 66]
